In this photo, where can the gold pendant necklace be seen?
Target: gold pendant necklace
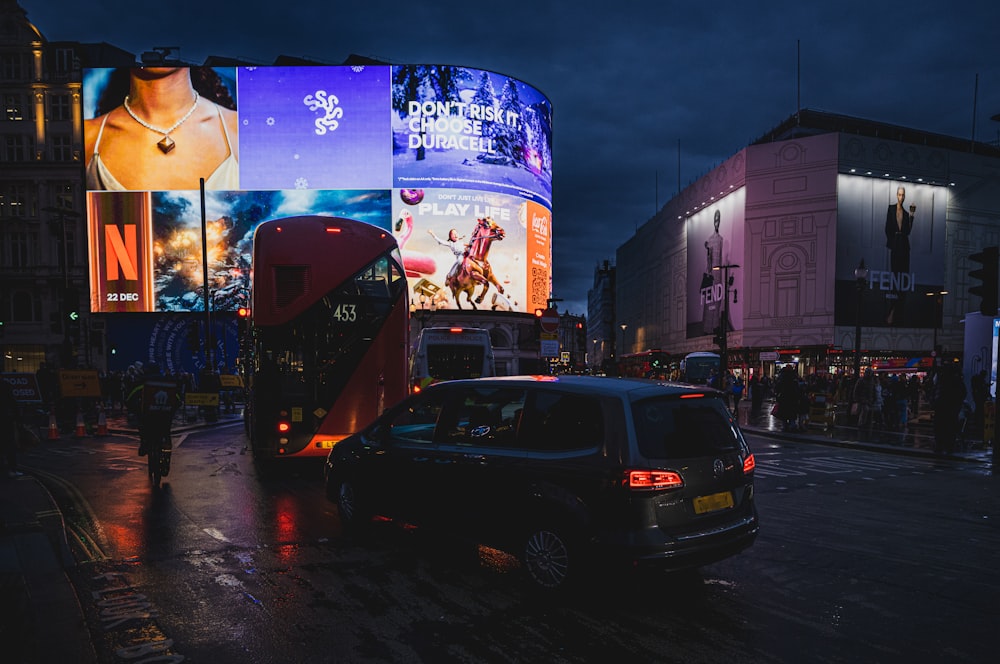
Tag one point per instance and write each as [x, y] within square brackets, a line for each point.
[166, 144]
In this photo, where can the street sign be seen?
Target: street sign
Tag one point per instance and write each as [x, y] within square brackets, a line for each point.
[24, 386]
[230, 380]
[549, 348]
[79, 383]
[201, 399]
[549, 321]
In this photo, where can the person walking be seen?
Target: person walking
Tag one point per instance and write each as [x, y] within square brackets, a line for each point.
[948, 395]
[737, 393]
[786, 394]
[756, 395]
[10, 428]
[863, 397]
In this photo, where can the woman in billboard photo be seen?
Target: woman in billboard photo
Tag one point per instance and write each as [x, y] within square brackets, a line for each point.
[163, 129]
[898, 224]
[455, 245]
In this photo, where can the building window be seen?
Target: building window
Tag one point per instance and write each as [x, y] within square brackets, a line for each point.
[64, 60]
[787, 298]
[62, 148]
[63, 195]
[66, 250]
[25, 307]
[17, 250]
[12, 67]
[60, 107]
[13, 105]
[14, 201]
[16, 147]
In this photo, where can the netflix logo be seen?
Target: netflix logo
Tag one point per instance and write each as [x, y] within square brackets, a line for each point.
[121, 251]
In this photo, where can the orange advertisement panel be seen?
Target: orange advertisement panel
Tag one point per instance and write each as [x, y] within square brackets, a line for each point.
[539, 253]
[121, 251]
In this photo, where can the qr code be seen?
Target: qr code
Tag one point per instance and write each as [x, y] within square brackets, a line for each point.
[539, 285]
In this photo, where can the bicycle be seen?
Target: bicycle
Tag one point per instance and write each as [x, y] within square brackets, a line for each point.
[158, 456]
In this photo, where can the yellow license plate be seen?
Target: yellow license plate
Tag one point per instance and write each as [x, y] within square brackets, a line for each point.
[713, 502]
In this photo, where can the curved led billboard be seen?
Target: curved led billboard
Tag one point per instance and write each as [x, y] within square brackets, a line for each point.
[422, 150]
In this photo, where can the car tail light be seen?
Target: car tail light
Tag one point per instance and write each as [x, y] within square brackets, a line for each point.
[650, 480]
[749, 464]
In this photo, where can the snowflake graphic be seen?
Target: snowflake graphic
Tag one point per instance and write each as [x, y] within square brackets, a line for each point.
[270, 122]
[301, 183]
[250, 68]
[357, 69]
[245, 122]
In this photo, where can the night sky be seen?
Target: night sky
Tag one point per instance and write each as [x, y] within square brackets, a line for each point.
[636, 87]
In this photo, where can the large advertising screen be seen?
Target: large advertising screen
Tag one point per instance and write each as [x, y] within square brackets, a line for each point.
[898, 229]
[418, 149]
[715, 252]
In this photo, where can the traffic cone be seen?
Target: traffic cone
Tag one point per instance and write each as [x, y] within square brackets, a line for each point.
[53, 426]
[81, 428]
[102, 423]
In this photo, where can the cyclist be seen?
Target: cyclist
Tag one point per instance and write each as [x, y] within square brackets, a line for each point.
[156, 400]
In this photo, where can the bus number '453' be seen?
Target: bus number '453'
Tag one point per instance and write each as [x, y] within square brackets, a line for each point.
[345, 313]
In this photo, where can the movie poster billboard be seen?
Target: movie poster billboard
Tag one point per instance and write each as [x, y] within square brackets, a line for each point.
[898, 229]
[270, 142]
[715, 251]
[146, 249]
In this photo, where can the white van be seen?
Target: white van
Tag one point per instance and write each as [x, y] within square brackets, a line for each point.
[448, 353]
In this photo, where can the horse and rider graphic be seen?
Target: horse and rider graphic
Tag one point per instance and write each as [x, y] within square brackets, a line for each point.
[473, 269]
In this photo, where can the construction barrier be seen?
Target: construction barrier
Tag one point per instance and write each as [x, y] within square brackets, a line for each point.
[822, 410]
[102, 423]
[81, 428]
[53, 426]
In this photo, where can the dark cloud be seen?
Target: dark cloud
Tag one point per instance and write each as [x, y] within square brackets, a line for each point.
[627, 80]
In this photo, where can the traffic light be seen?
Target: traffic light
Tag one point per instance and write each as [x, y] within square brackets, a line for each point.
[717, 337]
[242, 321]
[987, 275]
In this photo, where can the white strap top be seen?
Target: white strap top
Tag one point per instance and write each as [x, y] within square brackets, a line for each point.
[225, 176]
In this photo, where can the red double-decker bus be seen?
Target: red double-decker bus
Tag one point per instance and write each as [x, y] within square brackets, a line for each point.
[325, 345]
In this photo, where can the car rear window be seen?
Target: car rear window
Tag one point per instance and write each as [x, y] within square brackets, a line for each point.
[558, 422]
[669, 427]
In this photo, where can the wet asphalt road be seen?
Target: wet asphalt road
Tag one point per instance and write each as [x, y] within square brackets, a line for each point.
[862, 557]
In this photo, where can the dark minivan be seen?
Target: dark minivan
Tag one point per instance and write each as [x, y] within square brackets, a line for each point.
[561, 471]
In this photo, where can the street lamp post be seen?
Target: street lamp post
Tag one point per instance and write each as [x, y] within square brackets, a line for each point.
[423, 313]
[861, 278]
[727, 281]
[623, 326]
[938, 319]
[62, 217]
